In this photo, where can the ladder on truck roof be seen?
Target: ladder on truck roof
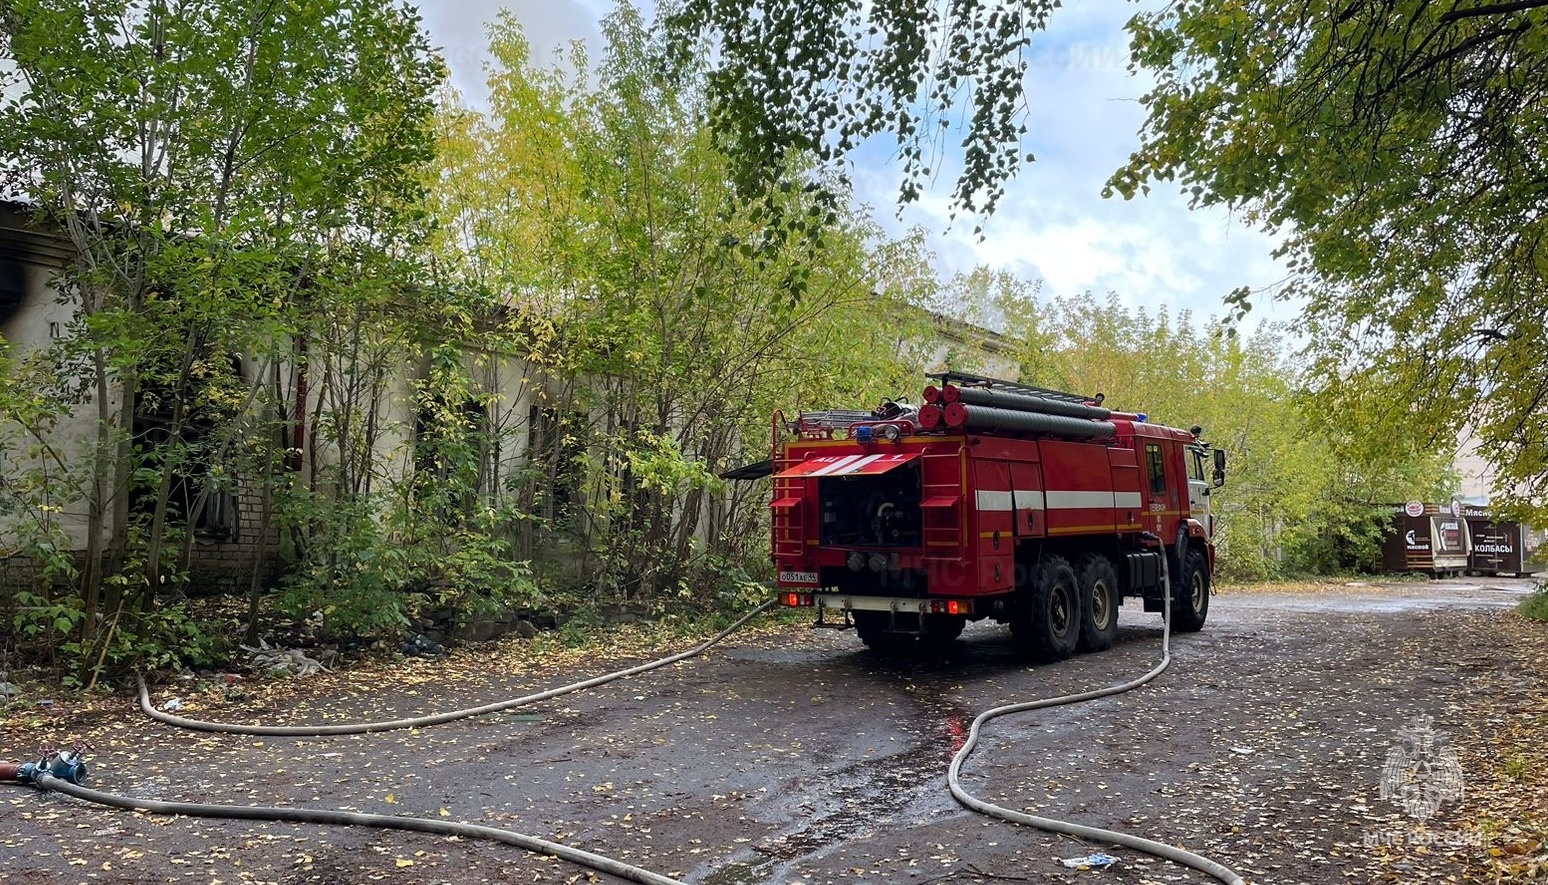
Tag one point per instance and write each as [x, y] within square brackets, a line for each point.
[832, 419]
[964, 379]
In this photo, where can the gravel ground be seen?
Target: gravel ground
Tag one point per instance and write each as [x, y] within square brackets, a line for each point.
[789, 755]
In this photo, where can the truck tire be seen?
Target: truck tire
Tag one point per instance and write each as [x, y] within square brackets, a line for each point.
[1190, 594]
[1049, 624]
[1098, 603]
[875, 631]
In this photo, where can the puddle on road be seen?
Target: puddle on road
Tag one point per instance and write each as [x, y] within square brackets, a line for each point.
[917, 700]
[740, 873]
[841, 807]
[778, 655]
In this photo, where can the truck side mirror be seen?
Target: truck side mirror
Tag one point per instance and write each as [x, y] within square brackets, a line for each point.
[1219, 477]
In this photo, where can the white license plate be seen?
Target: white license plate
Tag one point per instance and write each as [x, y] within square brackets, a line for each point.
[808, 578]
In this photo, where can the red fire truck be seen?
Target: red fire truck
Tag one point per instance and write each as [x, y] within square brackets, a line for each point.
[1040, 509]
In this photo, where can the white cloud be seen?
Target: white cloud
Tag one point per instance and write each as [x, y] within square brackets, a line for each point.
[1052, 223]
[459, 28]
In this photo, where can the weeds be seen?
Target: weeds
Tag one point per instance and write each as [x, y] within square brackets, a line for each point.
[1536, 605]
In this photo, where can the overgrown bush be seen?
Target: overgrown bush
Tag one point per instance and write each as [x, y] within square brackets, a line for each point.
[169, 637]
[1536, 605]
[370, 576]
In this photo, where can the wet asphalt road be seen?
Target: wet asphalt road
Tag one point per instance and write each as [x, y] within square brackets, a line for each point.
[798, 756]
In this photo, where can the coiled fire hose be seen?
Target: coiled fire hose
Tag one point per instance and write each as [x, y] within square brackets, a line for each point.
[45, 781]
[588, 859]
[1052, 825]
[437, 718]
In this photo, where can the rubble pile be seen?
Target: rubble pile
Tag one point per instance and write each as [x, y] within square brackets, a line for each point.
[279, 661]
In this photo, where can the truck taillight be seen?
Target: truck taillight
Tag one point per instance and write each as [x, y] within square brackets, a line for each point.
[795, 600]
[951, 607]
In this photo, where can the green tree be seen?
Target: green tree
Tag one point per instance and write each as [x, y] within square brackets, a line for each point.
[791, 79]
[659, 316]
[1302, 497]
[1396, 149]
[1393, 146]
[204, 159]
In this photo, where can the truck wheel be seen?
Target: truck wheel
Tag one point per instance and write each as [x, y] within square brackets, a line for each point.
[1190, 594]
[1049, 625]
[940, 631]
[875, 631]
[1098, 603]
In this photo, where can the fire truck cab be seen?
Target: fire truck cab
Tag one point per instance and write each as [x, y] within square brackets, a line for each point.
[1040, 509]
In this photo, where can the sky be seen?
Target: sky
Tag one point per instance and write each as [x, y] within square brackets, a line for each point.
[1052, 224]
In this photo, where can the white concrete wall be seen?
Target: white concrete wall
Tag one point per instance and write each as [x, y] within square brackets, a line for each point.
[512, 385]
[962, 347]
[1476, 474]
[30, 260]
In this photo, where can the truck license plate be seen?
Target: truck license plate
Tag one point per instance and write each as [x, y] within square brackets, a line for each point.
[809, 578]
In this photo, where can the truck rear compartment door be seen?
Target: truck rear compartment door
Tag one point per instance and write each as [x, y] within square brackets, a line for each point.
[1027, 499]
[994, 508]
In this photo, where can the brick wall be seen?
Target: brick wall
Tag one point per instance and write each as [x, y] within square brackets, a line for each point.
[216, 564]
[225, 565]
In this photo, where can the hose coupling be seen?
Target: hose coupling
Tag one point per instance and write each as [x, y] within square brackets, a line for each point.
[67, 765]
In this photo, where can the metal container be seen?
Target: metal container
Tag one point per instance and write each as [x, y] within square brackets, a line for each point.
[1497, 547]
[1428, 538]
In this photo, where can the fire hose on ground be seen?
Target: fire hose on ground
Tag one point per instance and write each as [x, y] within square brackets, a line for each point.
[597, 862]
[57, 774]
[1092, 834]
[437, 718]
[63, 772]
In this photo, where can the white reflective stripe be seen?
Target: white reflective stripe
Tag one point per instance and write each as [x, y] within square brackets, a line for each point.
[855, 467]
[1030, 499]
[1027, 499]
[836, 466]
[994, 500]
[1079, 500]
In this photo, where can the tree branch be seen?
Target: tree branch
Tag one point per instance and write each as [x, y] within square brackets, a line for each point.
[1496, 9]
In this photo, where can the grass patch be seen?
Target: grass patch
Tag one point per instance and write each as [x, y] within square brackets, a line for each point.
[1536, 605]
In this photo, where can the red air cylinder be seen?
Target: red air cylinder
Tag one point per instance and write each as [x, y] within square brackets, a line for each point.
[10, 771]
